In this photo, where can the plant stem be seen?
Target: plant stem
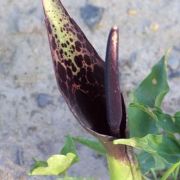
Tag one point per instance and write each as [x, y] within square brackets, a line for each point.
[119, 170]
[153, 174]
[176, 173]
[122, 164]
[170, 171]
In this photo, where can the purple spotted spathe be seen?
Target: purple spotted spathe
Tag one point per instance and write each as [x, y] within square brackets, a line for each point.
[80, 72]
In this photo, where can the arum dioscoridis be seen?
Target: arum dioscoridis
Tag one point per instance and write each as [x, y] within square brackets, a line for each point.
[89, 85]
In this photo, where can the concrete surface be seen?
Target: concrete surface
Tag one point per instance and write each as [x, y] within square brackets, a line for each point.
[33, 115]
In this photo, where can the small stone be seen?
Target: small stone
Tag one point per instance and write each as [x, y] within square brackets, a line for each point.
[32, 129]
[20, 157]
[132, 12]
[154, 27]
[174, 62]
[177, 48]
[174, 74]
[45, 147]
[43, 100]
[13, 19]
[133, 57]
[91, 15]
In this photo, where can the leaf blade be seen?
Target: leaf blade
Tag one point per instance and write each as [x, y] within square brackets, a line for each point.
[69, 147]
[170, 124]
[155, 86]
[138, 114]
[92, 144]
[56, 165]
[159, 145]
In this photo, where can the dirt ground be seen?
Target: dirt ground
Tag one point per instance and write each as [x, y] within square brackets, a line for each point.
[34, 118]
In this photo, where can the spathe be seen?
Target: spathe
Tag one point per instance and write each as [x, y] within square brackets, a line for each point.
[90, 86]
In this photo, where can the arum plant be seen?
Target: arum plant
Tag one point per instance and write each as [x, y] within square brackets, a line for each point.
[91, 88]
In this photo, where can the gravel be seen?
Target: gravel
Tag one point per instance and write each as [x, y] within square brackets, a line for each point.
[91, 15]
[34, 117]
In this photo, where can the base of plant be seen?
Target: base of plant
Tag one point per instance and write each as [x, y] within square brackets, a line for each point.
[119, 170]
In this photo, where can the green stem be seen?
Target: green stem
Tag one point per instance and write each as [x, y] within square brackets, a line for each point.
[122, 164]
[170, 171]
[119, 170]
[176, 173]
[153, 174]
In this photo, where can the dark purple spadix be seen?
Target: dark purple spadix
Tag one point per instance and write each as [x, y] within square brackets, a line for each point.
[114, 100]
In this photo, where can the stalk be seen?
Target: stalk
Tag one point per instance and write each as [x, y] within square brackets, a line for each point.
[122, 164]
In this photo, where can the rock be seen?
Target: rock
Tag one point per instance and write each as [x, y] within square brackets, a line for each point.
[174, 74]
[14, 17]
[45, 147]
[174, 62]
[133, 57]
[43, 100]
[91, 15]
[20, 157]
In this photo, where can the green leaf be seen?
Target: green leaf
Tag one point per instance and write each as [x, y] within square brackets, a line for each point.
[38, 164]
[167, 122]
[177, 115]
[61, 162]
[161, 146]
[94, 145]
[141, 120]
[154, 87]
[56, 165]
[170, 171]
[149, 162]
[151, 118]
[146, 162]
[74, 178]
[69, 147]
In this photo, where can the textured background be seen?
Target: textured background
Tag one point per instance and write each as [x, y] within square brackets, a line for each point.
[33, 115]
